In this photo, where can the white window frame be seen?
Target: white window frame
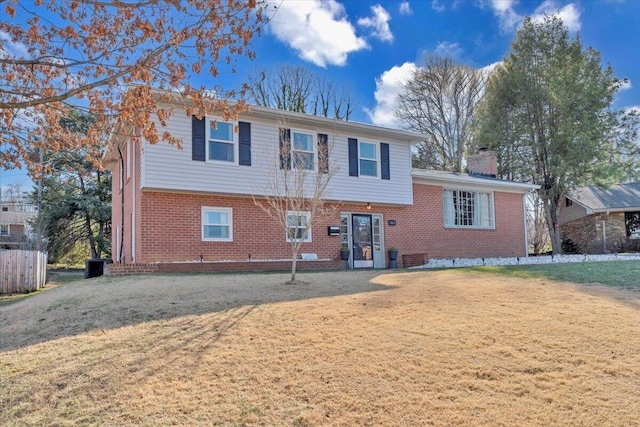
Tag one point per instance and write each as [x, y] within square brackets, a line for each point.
[206, 209]
[6, 227]
[450, 217]
[361, 158]
[313, 152]
[234, 140]
[299, 214]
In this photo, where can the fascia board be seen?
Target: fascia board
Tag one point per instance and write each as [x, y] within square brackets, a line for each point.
[422, 177]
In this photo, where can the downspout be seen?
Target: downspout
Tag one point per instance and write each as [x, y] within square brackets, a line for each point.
[604, 233]
[121, 177]
[133, 207]
[526, 225]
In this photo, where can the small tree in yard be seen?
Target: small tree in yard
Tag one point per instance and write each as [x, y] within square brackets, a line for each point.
[295, 187]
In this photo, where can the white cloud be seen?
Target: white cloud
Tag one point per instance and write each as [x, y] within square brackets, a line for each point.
[633, 109]
[437, 6]
[10, 49]
[625, 84]
[488, 69]
[569, 14]
[388, 86]
[509, 19]
[452, 50]
[405, 8]
[507, 16]
[379, 22]
[317, 29]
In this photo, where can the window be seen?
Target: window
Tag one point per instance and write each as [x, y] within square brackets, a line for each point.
[568, 202]
[297, 225]
[221, 143]
[468, 209]
[4, 230]
[302, 151]
[368, 159]
[217, 224]
[632, 221]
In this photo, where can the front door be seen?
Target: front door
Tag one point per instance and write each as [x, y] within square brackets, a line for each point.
[362, 241]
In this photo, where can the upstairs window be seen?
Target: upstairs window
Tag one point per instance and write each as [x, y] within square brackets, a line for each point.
[473, 209]
[302, 150]
[221, 142]
[368, 159]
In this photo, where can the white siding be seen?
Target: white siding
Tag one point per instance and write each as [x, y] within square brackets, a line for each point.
[164, 166]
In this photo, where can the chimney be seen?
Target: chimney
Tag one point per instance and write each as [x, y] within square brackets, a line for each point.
[484, 163]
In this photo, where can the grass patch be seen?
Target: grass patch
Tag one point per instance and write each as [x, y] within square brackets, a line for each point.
[55, 278]
[623, 274]
[451, 347]
[62, 277]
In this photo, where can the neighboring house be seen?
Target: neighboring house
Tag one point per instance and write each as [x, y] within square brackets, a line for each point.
[14, 224]
[174, 206]
[598, 220]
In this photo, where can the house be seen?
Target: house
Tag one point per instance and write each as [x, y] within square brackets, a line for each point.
[181, 210]
[14, 223]
[601, 220]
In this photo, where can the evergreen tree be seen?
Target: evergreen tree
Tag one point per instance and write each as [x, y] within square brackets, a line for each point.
[76, 197]
[547, 112]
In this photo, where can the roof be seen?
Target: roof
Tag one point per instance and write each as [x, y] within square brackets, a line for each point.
[480, 182]
[621, 197]
[331, 123]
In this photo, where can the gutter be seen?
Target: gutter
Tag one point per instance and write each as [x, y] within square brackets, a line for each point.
[458, 179]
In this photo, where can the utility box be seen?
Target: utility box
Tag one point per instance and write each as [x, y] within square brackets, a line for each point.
[94, 267]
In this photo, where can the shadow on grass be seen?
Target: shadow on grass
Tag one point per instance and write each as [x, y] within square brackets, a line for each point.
[104, 303]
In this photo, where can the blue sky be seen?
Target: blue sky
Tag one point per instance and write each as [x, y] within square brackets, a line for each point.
[373, 46]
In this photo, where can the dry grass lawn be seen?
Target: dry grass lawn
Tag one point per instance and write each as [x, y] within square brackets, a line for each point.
[351, 348]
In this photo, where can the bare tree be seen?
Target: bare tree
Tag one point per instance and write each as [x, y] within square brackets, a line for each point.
[439, 101]
[295, 88]
[295, 187]
[537, 231]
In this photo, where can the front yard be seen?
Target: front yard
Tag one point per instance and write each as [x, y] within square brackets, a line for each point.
[451, 347]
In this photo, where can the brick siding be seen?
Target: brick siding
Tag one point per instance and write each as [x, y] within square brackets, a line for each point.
[170, 229]
[586, 233]
[220, 267]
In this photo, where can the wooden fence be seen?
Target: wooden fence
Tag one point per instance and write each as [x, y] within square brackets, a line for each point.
[22, 271]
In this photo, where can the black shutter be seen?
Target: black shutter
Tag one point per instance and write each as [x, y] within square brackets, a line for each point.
[198, 134]
[244, 140]
[323, 153]
[384, 160]
[353, 157]
[285, 148]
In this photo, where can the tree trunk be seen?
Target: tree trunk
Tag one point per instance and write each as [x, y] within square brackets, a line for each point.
[551, 214]
[293, 268]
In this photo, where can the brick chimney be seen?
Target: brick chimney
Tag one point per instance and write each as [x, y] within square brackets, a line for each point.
[484, 163]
